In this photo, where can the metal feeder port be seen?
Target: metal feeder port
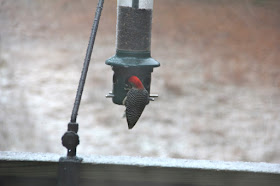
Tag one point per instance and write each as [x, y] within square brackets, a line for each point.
[133, 47]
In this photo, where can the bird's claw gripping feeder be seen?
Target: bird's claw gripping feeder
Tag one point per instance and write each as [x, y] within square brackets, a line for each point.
[133, 47]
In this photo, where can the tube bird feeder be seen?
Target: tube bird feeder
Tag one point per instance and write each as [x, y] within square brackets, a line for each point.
[133, 47]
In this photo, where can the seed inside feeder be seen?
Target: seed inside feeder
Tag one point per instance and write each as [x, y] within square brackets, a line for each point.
[134, 29]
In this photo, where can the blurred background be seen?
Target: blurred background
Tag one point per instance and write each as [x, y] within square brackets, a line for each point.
[218, 82]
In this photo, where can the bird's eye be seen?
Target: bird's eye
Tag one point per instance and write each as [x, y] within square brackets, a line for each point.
[127, 86]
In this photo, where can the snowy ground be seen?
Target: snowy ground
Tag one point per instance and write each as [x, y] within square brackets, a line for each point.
[206, 110]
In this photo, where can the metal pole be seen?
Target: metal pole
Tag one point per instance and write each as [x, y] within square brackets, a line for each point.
[86, 62]
[69, 167]
[70, 139]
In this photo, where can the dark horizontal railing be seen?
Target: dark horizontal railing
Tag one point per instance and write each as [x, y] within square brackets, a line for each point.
[41, 169]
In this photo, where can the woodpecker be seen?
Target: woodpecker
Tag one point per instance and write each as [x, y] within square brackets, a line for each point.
[135, 101]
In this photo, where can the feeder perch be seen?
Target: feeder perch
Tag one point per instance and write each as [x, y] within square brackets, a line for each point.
[133, 47]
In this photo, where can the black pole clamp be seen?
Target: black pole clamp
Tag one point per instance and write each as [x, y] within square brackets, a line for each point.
[70, 139]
